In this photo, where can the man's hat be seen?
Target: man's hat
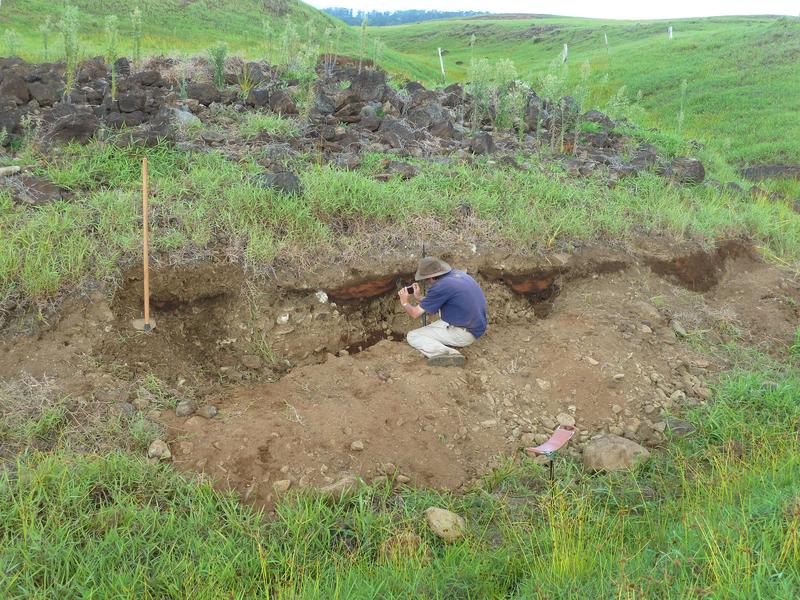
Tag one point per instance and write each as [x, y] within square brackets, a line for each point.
[431, 267]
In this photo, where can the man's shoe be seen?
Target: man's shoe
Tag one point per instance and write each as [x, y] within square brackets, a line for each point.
[447, 360]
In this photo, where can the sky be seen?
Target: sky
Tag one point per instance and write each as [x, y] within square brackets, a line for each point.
[608, 9]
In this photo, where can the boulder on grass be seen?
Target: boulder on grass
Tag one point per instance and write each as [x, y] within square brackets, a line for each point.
[686, 170]
[445, 524]
[284, 181]
[613, 453]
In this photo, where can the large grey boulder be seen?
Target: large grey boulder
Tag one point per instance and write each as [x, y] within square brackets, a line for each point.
[613, 453]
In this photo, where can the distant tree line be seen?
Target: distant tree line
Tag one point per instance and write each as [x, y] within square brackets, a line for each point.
[399, 17]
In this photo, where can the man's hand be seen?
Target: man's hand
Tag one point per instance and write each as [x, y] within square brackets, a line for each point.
[417, 291]
[412, 311]
[403, 293]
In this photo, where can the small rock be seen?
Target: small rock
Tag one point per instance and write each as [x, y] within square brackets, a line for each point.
[616, 409]
[592, 361]
[613, 453]
[566, 419]
[185, 408]
[282, 486]
[282, 319]
[678, 397]
[344, 488]
[321, 297]
[678, 427]
[489, 423]
[645, 329]
[547, 422]
[702, 392]
[678, 328]
[445, 524]
[357, 446]
[209, 411]
[212, 137]
[543, 385]
[528, 439]
[619, 377]
[159, 449]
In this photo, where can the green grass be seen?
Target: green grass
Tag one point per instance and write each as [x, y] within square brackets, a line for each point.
[255, 123]
[741, 72]
[205, 203]
[715, 515]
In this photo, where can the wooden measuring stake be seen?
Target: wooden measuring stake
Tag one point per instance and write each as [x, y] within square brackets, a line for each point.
[145, 243]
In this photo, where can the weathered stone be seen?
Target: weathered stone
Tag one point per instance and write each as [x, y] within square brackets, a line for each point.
[369, 119]
[123, 67]
[357, 446]
[147, 78]
[204, 93]
[46, 93]
[131, 101]
[282, 103]
[185, 408]
[32, 190]
[344, 488]
[79, 127]
[445, 524]
[613, 453]
[282, 486]
[159, 450]
[395, 133]
[482, 143]
[212, 137]
[602, 119]
[182, 118]
[678, 427]
[284, 181]
[209, 411]
[14, 86]
[566, 419]
[368, 86]
[258, 97]
[686, 170]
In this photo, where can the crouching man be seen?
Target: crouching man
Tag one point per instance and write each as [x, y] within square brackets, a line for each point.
[463, 312]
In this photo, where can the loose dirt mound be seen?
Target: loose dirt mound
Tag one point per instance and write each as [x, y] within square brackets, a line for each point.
[311, 386]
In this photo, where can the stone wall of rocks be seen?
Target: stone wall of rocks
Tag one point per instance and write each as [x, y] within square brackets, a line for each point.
[351, 113]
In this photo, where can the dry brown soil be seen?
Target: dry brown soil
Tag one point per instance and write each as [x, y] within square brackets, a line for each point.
[312, 384]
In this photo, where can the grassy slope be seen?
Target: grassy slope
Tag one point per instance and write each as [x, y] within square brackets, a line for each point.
[169, 26]
[743, 74]
[207, 203]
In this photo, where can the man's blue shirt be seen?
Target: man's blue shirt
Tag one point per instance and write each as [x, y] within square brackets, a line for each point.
[461, 301]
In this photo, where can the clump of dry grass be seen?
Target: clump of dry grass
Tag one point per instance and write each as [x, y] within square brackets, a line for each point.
[37, 415]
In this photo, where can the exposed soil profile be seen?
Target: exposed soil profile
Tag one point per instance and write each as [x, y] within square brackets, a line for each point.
[314, 383]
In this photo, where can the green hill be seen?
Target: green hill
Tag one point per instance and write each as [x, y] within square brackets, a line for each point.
[256, 28]
[742, 73]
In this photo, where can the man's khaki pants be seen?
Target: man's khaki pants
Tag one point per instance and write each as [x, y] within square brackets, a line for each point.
[439, 338]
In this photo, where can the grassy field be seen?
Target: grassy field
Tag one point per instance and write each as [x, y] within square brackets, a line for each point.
[741, 73]
[713, 515]
[716, 515]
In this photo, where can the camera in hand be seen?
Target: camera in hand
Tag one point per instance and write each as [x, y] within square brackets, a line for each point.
[410, 289]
